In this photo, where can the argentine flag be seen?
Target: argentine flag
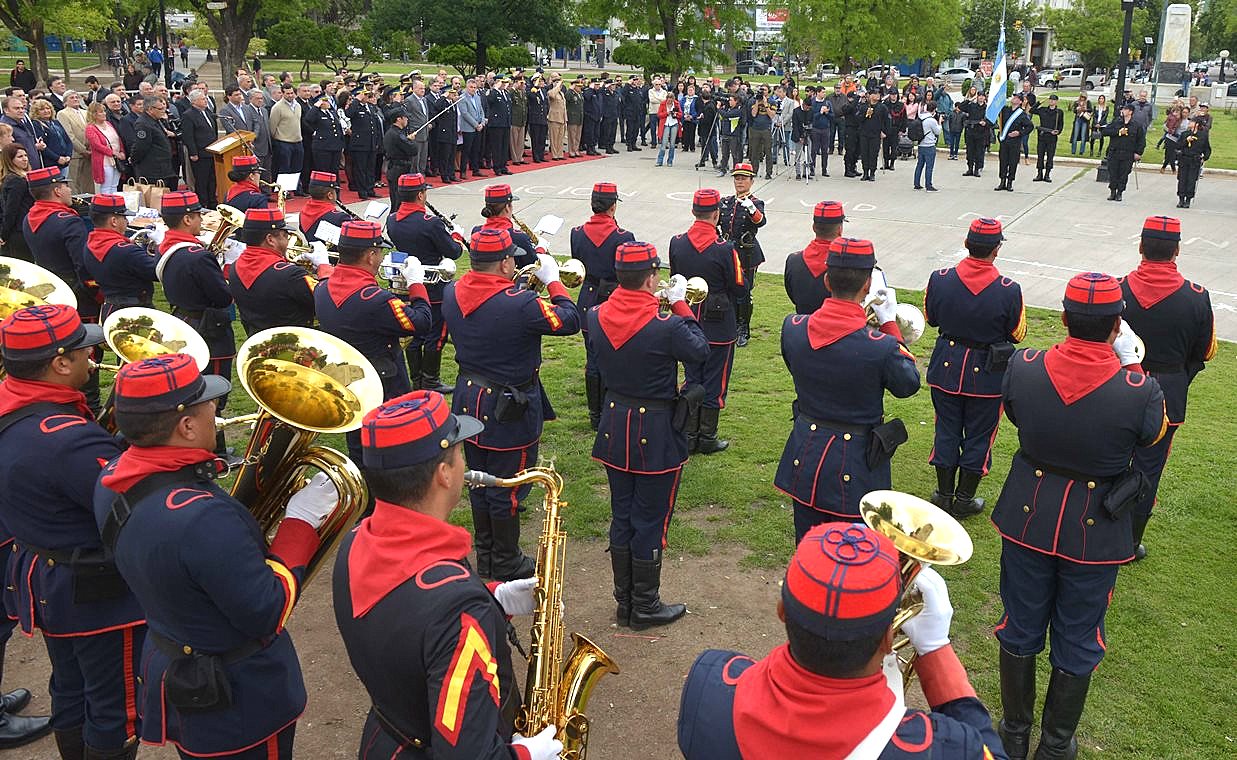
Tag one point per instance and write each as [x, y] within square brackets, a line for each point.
[996, 88]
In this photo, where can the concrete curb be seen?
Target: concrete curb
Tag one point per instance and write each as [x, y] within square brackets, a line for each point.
[1144, 167]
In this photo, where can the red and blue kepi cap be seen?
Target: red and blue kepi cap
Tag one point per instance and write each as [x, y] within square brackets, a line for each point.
[412, 429]
[843, 583]
[180, 202]
[166, 383]
[265, 220]
[829, 212]
[108, 203]
[490, 245]
[499, 194]
[324, 179]
[851, 253]
[360, 233]
[412, 183]
[636, 256]
[985, 231]
[45, 176]
[606, 191]
[45, 331]
[1094, 294]
[246, 162]
[743, 170]
[1162, 228]
[705, 199]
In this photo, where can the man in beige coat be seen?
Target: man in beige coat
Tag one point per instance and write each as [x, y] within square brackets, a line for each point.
[73, 118]
[557, 117]
[519, 119]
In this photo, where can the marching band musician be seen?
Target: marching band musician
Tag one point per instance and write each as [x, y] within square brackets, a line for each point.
[352, 306]
[500, 216]
[805, 270]
[740, 217]
[91, 623]
[640, 439]
[124, 270]
[839, 449]
[447, 687]
[1081, 409]
[220, 676]
[699, 252]
[497, 327]
[414, 230]
[829, 690]
[1174, 318]
[269, 290]
[981, 316]
[595, 243]
[246, 193]
[322, 205]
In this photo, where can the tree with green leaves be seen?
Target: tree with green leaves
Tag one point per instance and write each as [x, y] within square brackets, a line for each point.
[332, 47]
[873, 30]
[1091, 28]
[233, 26]
[981, 24]
[29, 20]
[76, 21]
[675, 35]
[1216, 30]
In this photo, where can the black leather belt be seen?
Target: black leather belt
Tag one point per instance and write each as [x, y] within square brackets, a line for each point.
[404, 739]
[186, 314]
[1065, 472]
[647, 403]
[63, 556]
[841, 427]
[488, 383]
[968, 343]
[1163, 368]
[178, 651]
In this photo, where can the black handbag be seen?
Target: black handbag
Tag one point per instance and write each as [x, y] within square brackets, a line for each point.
[512, 404]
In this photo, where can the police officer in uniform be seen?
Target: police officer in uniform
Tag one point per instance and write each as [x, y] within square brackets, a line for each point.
[874, 124]
[497, 328]
[595, 243]
[60, 580]
[833, 680]
[1051, 123]
[838, 448]
[447, 621]
[499, 215]
[978, 135]
[740, 217]
[123, 270]
[981, 316]
[640, 439]
[1012, 124]
[1193, 148]
[245, 192]
[352, 306]
[414, 230]
[322, 206]
[1081, 409]
[401, 152]
[805, 270]
[1128, 141]
[269, 290]
[850, 117]
[699, 252]
[1174, 318]
[220, 676]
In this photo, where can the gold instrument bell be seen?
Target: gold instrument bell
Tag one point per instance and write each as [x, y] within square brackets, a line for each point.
[570, 273]
[910, 319]
[23, 284]
[924, 534]
[136, 333]
[697, 291]
[222, 222]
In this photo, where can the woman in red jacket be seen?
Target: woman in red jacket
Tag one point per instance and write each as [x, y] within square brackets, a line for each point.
[105, 149]
[669, 117]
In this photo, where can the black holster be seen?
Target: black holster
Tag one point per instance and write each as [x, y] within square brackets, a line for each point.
[686, 405]
[883, 441]
[999, 355]
[1127, 490]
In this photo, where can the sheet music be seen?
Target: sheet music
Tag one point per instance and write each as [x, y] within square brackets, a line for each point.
[376, 211]
[328, 232]
[287, 182]
[549, 225]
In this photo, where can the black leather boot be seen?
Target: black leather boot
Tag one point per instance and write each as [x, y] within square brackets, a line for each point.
[1067, 695]
[1048, 176]
[708, 442]
[70, 744]
[19, 730]
[412, 353]
[1112, 194]
[647, 608]
[128, 752]
[1017, 703]
[592, 392]
[743, 318]
[965, 502]
[509, 563]
[1039, 177]
[1180, 201]
[943, 496]
[692, 431]
[1119, 194]
[483, 542]
[431, 365]
[1139, 524]
[620, 563]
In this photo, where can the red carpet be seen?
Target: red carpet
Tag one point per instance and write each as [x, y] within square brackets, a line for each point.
[294, 205]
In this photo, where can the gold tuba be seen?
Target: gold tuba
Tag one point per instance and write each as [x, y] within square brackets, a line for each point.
[557, 690]
[136, 333]
[305, 382]
[24, 284]
[924, 534]
[697, 291]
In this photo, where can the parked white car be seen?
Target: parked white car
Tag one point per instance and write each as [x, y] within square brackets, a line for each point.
[955, 76]
[1072, 78]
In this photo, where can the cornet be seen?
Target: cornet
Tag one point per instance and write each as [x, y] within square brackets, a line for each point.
[697, 291]
[570, 273]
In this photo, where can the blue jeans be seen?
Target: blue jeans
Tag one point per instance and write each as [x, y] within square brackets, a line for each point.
[667, 140]
[927, 160]
[1078, 137]
[952, 139]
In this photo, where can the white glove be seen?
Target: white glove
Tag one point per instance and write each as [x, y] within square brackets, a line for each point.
[929, 630]
[518, 597]
[313, 502]
[677, 289]
[878, 280]
[885, 305]
[458, 230]
[543, 746]
[748, 205]
[232, 250]
[1124, 345]
[157, 232]
[317, 254]
[413, 271]
[548, 271]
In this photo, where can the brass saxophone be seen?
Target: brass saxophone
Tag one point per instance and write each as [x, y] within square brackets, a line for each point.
[557, 689]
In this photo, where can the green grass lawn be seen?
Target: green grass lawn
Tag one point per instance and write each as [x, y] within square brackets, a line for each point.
[76, 61]
[1165, 688]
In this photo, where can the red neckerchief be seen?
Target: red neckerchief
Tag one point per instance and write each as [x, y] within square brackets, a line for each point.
[16, 393]
[475, 288]
[254, 261]
[598, 228]
[41, 210]
[816, 257]
[176, 237]
[346, 280]
[782, 709]
[975, 274]
[99, 242]
[702, 235]
[407, 209]
[625, 313]
[835, 319]
[394, 544]
[1154, 281]
[498, 223]
[138, 462]
[313, 211]
[1077, 367]
[245, 186]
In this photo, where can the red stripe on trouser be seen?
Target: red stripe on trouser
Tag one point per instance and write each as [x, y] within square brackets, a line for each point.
[721, 399]
[130, 686]
[272, 748]
[674, 491]
[515, 492]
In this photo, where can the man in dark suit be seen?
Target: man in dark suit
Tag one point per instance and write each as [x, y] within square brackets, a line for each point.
[365, 142]
[197, 131]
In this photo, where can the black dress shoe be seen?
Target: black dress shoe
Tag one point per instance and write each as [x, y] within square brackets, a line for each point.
[19, 730]
[15, 701]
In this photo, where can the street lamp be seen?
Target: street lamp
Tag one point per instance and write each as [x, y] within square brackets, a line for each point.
[1223, 59]
[1123, 62]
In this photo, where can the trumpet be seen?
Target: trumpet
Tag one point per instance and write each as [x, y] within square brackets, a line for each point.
[570, 273]
[146, 237]
[222, 222]
[440, 273]
[910, 320]
[697, 291]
